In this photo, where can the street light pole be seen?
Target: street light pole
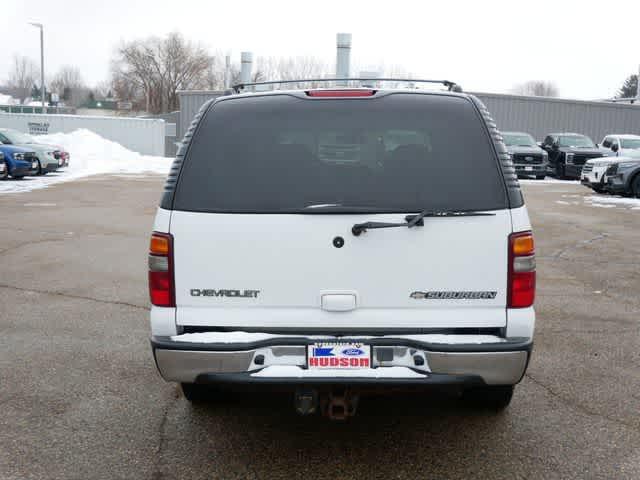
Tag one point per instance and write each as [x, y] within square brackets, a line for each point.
[42, 88]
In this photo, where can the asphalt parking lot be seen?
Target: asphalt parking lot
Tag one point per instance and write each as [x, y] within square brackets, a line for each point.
[80, 397]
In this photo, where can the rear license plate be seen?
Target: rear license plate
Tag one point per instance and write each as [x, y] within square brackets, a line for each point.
[338, 355]
[528, 169]
[34, 165]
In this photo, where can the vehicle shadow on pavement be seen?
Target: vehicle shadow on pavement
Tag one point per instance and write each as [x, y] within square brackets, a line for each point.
[261, 436]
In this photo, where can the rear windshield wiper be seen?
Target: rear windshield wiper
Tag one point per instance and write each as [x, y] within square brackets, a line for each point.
[416, 220]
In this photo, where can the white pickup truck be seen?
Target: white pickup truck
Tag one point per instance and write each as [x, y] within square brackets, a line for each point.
[614, 146]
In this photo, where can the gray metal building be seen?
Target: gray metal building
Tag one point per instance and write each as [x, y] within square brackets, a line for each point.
[540, 115]
[190, 103]
[535, 115]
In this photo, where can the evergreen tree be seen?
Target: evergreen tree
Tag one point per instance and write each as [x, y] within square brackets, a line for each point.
[35, 92]
[629, 87]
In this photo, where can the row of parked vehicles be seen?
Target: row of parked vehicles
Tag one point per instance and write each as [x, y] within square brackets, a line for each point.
[612, 166]
[23, 155]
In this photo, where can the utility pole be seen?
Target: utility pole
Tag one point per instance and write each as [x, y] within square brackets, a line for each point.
[638, 86]
[42, 88]
[227, 71]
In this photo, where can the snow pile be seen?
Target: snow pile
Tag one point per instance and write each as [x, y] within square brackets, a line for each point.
[609, 202]
[547, 181]
[7, 100]
[91, 154]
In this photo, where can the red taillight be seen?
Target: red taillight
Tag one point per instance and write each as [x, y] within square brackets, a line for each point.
[522, 270]
[161, 284]
[340, 93]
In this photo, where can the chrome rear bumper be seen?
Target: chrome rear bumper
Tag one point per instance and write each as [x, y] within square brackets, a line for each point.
[395, 360]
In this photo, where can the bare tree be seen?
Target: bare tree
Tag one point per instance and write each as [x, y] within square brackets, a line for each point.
[69, 85]
[103, 90]
[156, 68]
[289, 68]
[22, 77]
[536, 88]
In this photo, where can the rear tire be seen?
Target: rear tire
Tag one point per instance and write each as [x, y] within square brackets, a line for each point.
[495, 397]
[540, 177]
[195, 392]
[635, 186]
[17, 177]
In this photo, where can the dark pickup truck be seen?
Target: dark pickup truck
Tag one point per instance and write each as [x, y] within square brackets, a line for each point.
[568, 152]
[528, 158]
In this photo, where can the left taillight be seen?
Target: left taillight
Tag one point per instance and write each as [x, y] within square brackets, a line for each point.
[161, 281]
[522, 270]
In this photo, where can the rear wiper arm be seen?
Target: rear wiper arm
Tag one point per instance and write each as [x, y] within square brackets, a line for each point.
[415, 220]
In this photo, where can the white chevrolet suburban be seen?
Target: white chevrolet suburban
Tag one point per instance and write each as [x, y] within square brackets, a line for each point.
[332, 240]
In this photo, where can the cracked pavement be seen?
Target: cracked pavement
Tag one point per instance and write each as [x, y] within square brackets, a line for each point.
[81, 398]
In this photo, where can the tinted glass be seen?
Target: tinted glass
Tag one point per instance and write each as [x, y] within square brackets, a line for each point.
[17, 137]
[395, 153]
[519, 140]
[575, 141]
[631, 143]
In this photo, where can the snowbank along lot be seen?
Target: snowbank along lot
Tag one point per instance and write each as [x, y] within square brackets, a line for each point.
[90, 155]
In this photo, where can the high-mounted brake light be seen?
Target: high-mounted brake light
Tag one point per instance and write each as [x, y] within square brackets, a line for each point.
[522, 270]
[340, 93]
[161, 280]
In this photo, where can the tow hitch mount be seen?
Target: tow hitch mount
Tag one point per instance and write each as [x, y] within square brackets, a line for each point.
[339, 403]
[336, 404]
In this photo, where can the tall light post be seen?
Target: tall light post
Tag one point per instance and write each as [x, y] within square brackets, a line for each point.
[42, 89]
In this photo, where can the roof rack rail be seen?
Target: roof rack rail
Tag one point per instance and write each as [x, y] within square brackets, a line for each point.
[452, 86]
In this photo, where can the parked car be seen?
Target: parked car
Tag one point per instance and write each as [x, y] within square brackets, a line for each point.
[63, 157]
[568, 152]
[623, 176]
[528, 158]
[4, 172]
[266, 265]
[593, 173]
[48, 156]
[20, 161]
[616, 145]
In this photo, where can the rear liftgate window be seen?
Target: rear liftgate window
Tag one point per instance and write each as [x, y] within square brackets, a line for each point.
[395, 153]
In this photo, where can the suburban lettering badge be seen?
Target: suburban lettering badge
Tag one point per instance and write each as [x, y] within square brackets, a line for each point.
[453, 295]
[196, 292]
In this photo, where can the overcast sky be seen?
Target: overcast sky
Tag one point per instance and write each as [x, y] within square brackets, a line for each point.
[586, 48]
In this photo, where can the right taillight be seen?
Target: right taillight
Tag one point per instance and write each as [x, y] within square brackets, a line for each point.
[522, 270]
[161, 286]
